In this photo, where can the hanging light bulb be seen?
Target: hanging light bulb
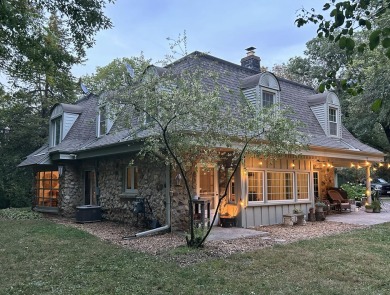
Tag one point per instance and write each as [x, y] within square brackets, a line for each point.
[352, 165]
[380, 164]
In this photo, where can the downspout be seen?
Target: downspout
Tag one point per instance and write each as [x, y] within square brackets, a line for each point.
[167, 209]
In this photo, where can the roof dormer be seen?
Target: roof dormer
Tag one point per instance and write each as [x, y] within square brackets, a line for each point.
[62, 118]
[326, 108]
[262, 90]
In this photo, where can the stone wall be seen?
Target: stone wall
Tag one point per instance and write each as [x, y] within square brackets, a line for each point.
[119, 206]
[71, 187]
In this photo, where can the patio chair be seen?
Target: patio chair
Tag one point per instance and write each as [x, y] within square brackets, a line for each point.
[337, 199]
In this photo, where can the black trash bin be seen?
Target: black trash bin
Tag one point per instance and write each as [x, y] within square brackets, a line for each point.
[88, 213]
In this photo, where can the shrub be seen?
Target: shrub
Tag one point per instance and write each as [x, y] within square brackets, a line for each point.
[19, 214]
[354, 191]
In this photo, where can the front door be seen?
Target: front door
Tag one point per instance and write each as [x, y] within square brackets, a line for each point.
[90, 188]
[207, 187]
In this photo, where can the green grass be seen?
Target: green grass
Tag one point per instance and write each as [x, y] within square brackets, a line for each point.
[40, 257]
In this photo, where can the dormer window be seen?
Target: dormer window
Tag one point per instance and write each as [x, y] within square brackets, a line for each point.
[62, 118]
[326, 108]
[56, 127]
[103, 120]
[333, 122]
[102, 124]
[262, 90]
[268, 99]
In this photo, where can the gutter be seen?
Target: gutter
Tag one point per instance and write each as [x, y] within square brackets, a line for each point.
[167, 210]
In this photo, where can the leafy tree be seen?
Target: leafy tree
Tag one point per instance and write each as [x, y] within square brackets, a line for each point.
[24, 29]
[346, 19]
[21, 131]
[41, 41]
[115, 74]
[321, 57]
[182, 109]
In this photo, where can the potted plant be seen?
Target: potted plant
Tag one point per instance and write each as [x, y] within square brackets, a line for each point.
[376, 206]
[297, 211]
[369, 208]
[320, 206]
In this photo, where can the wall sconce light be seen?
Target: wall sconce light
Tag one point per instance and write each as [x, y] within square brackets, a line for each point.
[293, 164]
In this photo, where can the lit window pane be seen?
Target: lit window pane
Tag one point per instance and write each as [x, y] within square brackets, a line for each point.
[255, 186]
[302, 185]
[280, 186]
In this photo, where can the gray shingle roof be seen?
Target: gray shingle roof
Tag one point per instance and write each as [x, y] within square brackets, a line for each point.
[82, 135]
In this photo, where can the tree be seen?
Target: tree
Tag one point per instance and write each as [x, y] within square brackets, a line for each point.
[183, 111]
[346, 19]
[41, 41]
[114, 75]
[24, 29]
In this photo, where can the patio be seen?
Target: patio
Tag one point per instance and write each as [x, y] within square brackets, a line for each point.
[361, 217]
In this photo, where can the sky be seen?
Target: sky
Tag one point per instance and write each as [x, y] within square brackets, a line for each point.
[221, 28]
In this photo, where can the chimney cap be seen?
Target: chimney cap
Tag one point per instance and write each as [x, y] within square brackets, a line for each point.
[250, 48]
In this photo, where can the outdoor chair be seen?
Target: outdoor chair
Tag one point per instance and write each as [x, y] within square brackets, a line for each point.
[337, 199]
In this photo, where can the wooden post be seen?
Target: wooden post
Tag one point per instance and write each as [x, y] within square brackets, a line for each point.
[368, 184]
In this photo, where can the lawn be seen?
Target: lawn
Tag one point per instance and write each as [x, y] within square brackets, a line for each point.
[40, 257]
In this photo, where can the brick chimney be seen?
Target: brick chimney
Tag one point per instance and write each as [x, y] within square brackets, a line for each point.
[251, 61]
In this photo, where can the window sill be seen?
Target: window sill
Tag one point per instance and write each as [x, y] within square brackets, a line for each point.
[278, 203]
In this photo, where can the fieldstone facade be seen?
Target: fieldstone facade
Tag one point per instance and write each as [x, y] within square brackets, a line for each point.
[71, 194]
[154, 183]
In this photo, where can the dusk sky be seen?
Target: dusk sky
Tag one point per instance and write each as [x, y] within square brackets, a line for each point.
[221, 28]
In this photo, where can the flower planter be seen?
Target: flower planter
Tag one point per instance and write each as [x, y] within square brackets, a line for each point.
[369, 210]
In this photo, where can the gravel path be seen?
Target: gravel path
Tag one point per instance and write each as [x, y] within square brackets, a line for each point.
[162, 245]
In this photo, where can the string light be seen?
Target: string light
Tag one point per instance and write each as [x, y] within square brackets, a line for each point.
[352, 165]
[380, 164]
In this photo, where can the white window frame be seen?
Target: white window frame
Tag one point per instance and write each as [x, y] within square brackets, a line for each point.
[232, 196]
[336, 123]
[100, 132]
[53, 133]
[262, 178]
[134, 180]
[294, 180]
[298, 187]
[269, 91]
[293, 194]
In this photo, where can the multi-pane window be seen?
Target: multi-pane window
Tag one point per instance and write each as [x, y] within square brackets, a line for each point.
[56, 130]
[102, 121]
[131, 180]
[316, 186]
[255, 186]
[232, 192]
[332, 121]
[268, 99]
[46, 188]
[279, 186]
[302, 186]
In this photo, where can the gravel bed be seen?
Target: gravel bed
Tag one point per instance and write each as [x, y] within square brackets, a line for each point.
[171, 246]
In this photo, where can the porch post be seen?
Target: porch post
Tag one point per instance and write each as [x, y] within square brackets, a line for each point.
[368, 184]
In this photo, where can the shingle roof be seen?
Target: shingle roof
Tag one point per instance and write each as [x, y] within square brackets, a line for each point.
[82, 135]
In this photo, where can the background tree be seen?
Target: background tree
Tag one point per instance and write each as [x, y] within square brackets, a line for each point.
[24, 27]
[114, 75]
[41, 41]
[345, 19]
[182, 110]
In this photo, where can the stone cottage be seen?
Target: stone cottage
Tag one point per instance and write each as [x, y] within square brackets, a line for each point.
[90, 160]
